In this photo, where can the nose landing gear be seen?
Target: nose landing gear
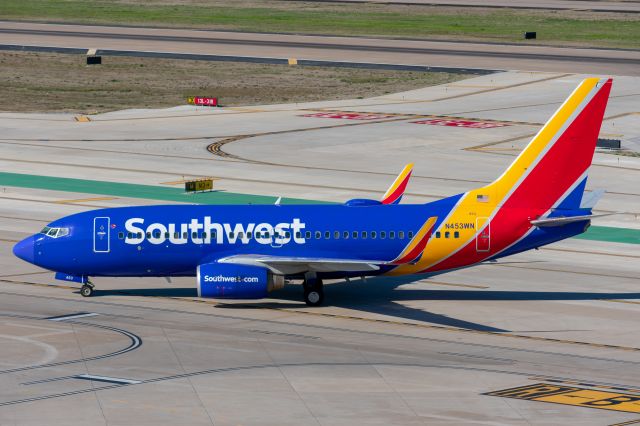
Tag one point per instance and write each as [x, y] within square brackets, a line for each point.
[87, 289]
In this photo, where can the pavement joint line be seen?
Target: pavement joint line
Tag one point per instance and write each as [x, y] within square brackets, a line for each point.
[79, 200]
[630, 422]
[563, 271]
[601, 253]
[455, 284]
[621, 301]
[375, 320]
[477, 92]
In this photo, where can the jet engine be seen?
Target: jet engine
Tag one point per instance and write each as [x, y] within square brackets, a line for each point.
[230, 281]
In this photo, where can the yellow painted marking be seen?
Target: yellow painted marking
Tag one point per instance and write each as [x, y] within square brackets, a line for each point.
[82, 118]
[569, 395]
[80, 200]
[293, 61]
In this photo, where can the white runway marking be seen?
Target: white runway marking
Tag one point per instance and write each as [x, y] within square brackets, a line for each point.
[73, 316]
[108, 379]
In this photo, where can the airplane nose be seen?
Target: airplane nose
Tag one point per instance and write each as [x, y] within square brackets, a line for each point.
[25, 249]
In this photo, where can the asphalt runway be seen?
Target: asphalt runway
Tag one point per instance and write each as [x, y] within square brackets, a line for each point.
[544, 337]
[216, 44]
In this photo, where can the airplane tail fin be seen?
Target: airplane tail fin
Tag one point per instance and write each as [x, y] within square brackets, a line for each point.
[396, 190]
[551, 172]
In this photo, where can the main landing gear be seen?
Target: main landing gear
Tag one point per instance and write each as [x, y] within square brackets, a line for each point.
[87, 289]
[313, 290]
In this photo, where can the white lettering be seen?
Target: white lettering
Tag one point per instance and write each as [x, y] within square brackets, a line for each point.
[134, 231]
[157, 231]
[206, 232]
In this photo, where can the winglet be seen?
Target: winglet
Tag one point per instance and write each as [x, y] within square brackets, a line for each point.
[396, 190]
[414, 249]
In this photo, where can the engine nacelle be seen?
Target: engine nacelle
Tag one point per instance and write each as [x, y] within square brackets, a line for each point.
[229, 281]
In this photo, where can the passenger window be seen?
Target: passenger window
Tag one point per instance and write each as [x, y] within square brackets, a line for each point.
[446, 234]
[185, 235]
[307, 235]
[148, 234]
[230, 235]
[120, 235]
[287, 234]
[194, 235]
[336, 235]
[327, 235]
[166, 235]
[410, 234]
[392, 235]
[401, 235]
[456, 234]
[373, 235]
[318, 235]
[383, 235]
[249, 235]
[298, 234]
[354, 234]
[364, 235]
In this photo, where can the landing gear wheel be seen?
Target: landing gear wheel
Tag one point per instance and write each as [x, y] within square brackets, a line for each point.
[313, 292]
[86, 290]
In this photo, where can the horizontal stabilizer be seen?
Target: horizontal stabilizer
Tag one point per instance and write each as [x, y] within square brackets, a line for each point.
[560, 221]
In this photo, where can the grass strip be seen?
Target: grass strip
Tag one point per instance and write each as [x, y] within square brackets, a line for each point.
[567, 27]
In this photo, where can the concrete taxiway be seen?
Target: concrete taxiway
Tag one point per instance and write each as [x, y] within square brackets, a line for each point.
[214, 45]
[554, 329]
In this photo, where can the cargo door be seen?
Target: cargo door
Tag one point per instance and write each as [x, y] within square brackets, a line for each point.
[483, 236]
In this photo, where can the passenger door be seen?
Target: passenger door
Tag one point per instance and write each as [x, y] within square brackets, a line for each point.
[101, 234]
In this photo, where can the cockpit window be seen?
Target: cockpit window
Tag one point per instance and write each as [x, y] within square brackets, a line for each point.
[55, 232]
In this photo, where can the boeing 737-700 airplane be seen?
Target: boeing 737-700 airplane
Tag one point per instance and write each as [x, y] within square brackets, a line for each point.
[246, 251]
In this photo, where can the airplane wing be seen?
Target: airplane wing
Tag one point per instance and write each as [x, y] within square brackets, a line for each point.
[396, 190]
[286, 265]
